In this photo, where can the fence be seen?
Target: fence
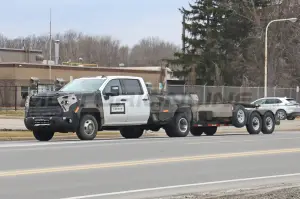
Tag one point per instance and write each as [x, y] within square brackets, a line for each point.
[13, 97]
[214, 94]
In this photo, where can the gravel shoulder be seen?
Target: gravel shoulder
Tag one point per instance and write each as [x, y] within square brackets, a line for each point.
[281, 191]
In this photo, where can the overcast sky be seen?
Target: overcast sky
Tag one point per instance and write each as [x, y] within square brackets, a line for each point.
[127, 20]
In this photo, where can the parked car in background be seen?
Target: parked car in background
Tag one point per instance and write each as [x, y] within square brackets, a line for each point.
[282, 107]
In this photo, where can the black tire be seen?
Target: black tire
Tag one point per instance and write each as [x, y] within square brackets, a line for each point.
[254, 124]
[169, 132]
[131, 132]
[196, 131]
[210, 130]
[43, 134]
[87, 121]
[179, 126]
[239, 116]
[291, 118]
[268, 123]
[281, 114]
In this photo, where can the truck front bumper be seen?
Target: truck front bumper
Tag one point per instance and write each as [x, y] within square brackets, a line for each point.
[56, 124]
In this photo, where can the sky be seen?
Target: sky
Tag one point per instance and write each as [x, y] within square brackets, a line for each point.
[127, 20]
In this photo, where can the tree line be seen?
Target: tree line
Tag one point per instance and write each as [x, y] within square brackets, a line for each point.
[101, 50]
[224, 40]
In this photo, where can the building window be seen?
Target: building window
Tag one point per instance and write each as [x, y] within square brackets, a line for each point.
[24, 91]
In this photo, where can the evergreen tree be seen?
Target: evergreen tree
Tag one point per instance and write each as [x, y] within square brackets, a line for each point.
[204, 25]
[217, 37]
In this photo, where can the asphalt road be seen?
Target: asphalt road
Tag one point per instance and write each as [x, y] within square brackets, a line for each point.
[145, 168]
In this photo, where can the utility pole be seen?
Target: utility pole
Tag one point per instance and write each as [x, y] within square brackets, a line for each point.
[183, 33]
[50, 42]
[50, 48]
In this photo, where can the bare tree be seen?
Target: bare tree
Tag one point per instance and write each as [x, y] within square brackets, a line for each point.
[101, 50]
[151, 50]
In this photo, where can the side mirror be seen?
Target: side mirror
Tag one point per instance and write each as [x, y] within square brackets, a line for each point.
[115, 90]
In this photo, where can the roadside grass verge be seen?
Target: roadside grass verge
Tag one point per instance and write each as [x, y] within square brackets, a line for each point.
[12, 113]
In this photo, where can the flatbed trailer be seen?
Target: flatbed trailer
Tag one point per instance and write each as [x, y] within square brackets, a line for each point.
[208, 117]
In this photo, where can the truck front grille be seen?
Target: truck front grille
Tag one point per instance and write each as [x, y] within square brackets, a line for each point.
[44, 106]
[45, 111]
[43, 102]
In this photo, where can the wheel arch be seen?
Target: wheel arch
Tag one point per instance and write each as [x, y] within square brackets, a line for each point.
[185, 109]
[95, 112]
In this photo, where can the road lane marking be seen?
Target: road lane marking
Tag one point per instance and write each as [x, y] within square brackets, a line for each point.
[181, 186]
[145, 162]
[234, 141]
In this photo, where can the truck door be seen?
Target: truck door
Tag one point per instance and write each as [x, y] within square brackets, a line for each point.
[138, 101]
[114, 108]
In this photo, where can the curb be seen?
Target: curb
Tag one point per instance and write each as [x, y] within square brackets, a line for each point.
[115, 135]
[117, 132]
[57, 138]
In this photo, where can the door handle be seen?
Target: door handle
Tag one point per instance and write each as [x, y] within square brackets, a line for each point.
[123, 100]
[145, 99]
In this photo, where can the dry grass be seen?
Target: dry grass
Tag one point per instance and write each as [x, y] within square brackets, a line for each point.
[11, 112]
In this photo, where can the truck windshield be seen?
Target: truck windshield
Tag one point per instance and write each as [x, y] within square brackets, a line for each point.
[83, 85]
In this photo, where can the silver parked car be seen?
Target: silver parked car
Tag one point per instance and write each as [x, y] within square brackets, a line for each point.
[283, 107]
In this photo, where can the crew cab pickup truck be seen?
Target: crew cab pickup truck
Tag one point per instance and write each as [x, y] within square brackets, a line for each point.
[91, 104]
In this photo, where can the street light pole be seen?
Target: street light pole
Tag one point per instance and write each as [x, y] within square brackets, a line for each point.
[266, 51]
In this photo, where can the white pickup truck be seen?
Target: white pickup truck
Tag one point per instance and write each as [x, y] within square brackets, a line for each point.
[91, 104]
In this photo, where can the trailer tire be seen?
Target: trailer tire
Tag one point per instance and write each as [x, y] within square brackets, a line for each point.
[88, 128]
[239, 116]
[268, 123]
[281, 114]
[43, 135]
[254, 124]
[131, 132]
[210, 130]
[196, 131]
[179, 126]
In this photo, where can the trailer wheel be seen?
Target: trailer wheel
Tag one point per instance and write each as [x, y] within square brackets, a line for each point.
[281, 114]
[239, 116]
[179, 126]
[268, 123]
[196, 131]
[210, 130]
[131, 132]
[254, 125]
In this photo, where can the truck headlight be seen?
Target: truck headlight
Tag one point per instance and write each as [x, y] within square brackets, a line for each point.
[66, 101]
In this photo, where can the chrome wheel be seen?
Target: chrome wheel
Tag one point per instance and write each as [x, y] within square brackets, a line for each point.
[281, 115]
[89, 127]
[183, 125]
[269, 123]
[255, 123]
[241, 116]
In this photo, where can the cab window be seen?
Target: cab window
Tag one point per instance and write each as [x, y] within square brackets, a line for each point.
[132, 87]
